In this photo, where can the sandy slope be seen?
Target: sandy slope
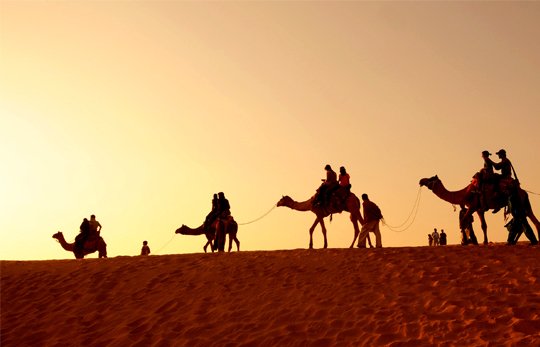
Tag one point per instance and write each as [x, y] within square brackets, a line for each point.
[449, 296]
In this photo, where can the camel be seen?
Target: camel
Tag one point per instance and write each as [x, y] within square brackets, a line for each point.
[230, 227]
[352, 205]
[90, 246]
[472, 201]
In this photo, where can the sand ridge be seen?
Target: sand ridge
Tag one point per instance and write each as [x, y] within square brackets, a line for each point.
[412, 296]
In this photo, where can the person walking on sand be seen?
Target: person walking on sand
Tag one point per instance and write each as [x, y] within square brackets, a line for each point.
[466, 226]
[435, 236]
[372, 216]
[430, 239]
[145, 250]
[442, 238]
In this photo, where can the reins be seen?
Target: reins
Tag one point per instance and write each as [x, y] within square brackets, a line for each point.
[410, 218]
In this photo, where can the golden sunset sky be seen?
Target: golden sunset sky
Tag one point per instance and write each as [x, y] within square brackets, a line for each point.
[139, 111]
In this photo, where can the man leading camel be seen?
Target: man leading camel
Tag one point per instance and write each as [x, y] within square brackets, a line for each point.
[372, 216]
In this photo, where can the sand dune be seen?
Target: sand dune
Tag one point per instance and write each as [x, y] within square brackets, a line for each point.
[421, 296]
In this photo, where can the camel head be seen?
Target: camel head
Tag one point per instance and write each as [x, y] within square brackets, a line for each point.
[58, 235]
[285, 201]
[179, 230]
[429, 182]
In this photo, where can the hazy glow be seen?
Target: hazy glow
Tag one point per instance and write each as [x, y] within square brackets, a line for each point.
[139, 112]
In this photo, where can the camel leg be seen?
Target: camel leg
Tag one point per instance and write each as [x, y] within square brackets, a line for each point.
[324, 233]
[102, 248]
[535, 221]
[230, 243]
[354, 221]
[237, 244]
[483, 224]
[311, 233]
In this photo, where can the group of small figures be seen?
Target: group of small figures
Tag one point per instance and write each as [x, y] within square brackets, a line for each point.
[436, 239]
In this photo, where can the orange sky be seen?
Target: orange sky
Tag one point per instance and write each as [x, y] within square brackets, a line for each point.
[139, 112]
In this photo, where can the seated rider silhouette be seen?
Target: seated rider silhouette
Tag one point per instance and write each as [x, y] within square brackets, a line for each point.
[224, 208]
[504, 179]
[486, 176]
[211, 217]
[327, 187]
[83, 234]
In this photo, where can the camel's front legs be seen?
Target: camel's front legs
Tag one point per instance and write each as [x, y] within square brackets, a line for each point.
[209, 243]
[311, 233]
[484, 225]
[356, 230]
[324, 233]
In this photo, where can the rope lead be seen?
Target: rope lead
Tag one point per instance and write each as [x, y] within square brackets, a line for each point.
[407, 224]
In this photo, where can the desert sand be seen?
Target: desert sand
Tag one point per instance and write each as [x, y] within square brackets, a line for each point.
[416, 296]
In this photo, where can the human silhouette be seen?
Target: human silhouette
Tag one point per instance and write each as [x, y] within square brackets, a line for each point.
[430, 239]
[442, 238]
[435, 236]
[224, 211]
[326, 188]
[372, 216]
[211, 217]
[84, 231]
[503, 180]
[466, 227]
[518, 224]
[344, 179]
[95, 227]
[145, 250]
[486, 176]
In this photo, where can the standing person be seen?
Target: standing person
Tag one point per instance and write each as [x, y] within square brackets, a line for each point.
[435, 236]
[442, 238]
[518, 224]
[430, 239]
[223, 213]
[372, 216]
[145, 250]
[95, 226]
[84, 230]
[465, 225]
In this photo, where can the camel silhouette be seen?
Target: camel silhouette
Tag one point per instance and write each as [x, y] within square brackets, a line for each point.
[351, 205]
[472, 201]
[217, 231]
[90, 246]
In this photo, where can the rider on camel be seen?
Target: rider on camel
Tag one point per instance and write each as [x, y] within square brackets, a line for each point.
[504, 179]
[327, 187]
[344, 179]
[211, 217]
